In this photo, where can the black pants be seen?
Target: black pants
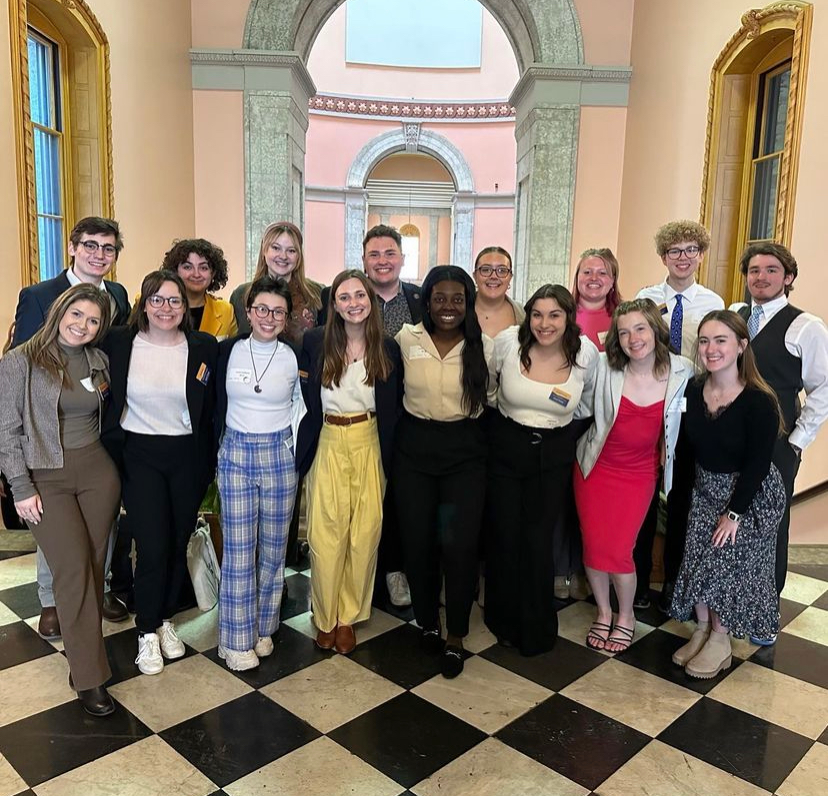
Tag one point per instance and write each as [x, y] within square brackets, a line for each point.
[121, 566]
[390, 547]
[530, 473]
[787, 462]
[643, 551]
[440, 484]
[162, 490]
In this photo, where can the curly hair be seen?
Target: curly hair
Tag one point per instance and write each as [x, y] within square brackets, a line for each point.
[182, 249]
[677, 231]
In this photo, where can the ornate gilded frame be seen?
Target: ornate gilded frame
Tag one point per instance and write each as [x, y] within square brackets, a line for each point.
[24, 140]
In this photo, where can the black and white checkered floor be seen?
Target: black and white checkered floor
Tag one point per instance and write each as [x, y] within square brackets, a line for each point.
[384, 722]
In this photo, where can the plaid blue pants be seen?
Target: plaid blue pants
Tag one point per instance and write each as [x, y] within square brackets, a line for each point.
[257, 484]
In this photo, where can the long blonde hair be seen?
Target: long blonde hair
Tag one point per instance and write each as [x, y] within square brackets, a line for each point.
[43, 350]
[309, 291]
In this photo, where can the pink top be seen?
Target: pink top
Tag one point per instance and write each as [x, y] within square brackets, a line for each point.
[594, 324]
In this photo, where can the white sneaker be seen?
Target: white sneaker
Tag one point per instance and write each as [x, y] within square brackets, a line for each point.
[149, 658]
[238, 661]
[264, 647]
[398, 590]
[172, 646]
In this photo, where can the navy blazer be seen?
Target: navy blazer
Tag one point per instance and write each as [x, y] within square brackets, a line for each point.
[224, 350]
[387, 394]
[412, 297]
[201, 396]
[34, 302]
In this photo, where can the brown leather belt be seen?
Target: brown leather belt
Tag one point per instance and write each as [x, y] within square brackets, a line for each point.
[343, 420]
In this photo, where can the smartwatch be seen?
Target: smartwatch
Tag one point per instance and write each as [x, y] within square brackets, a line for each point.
[732, 515]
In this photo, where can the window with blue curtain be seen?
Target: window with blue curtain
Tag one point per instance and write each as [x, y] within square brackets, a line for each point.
[45, 107]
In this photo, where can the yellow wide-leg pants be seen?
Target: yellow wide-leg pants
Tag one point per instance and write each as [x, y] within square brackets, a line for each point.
[345, 491]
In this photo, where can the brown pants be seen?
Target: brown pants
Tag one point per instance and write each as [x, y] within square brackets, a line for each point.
[79, 505]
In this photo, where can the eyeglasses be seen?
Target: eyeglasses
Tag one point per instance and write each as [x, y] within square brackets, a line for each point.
[175, 302]
[278, 313]
[92, 247]
[487, 270]
[690, 251]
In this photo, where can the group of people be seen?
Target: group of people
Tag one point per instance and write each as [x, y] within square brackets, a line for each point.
[432, 426]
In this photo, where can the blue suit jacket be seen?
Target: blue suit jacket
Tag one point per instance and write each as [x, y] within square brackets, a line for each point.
[34, 303]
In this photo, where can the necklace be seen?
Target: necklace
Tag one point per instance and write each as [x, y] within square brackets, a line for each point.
[257, 378]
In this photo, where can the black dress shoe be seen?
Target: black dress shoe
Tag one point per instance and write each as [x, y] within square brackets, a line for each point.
[666, 598]
[431, 641]
[113, 610]
[642, 601]
[48, 627]
[96, 701]
[451, 664]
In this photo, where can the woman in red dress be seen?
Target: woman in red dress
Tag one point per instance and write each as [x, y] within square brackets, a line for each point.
[637, 405]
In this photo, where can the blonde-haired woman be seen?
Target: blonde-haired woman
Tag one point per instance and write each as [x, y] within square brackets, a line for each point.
[281, 257]
[724, 456]
[65, 486]
[351, 375]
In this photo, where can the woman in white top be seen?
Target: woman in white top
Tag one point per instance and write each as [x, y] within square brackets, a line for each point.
[351, 378]
[495, 309]
[160, 430]
[544, 367]
[259, 406]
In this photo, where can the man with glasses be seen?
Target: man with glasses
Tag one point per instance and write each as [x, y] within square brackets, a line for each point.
[683, 303]
[94, 246]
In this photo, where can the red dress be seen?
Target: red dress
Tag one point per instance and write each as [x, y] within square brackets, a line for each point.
[613, 500]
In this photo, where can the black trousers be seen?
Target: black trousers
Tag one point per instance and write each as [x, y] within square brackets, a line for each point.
[787, 462]
[530, 474]
[643, 550]
[162, 490]
[390, 548]
[440, 483]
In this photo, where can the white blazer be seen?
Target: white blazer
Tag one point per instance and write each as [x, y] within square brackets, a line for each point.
[606, 401]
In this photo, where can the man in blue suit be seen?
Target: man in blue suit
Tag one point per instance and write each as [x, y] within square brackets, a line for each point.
[94, 246]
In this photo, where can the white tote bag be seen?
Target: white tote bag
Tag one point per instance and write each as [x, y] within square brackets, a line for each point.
[204, 567]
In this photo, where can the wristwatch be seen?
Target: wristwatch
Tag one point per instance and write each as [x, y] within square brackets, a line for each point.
[732, 515]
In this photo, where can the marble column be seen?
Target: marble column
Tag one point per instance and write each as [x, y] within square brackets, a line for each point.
[463, 228]
[356, 214]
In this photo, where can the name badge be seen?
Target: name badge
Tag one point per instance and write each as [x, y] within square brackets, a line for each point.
[87, 384]
[203, 374]
[239, 375]
[683, 405]
[303, 374]
[560, 396]
[104, 390]
[662, 308]
[602, 336]
[418, 352]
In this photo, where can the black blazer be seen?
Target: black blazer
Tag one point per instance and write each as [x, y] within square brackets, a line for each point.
[388, 395]
[35, 300]
[412, 297]
[201, 397]
[224, 350]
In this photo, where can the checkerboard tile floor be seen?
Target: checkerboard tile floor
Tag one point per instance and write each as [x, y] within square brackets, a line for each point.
[383, 721]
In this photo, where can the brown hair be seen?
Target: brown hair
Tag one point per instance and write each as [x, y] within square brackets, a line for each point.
[782, 253]
[149, 287]
[182, 249]
[616, 357]
[308, 290]
[377, 362]
[43, 349]
[609, 259]
[571, 340]
[675, 232]
[492, 250]
[749, 373]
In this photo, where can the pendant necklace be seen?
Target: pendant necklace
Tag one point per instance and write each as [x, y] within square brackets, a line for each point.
[257, 378]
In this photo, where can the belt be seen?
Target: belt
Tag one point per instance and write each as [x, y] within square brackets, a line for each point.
[347, 420]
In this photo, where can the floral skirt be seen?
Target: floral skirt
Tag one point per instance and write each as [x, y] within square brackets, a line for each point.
[737, 580]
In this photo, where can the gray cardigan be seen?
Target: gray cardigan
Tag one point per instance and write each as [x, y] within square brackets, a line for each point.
[29, 423]
[606, 401]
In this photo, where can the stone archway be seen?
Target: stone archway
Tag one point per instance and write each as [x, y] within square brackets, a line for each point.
[409, 138]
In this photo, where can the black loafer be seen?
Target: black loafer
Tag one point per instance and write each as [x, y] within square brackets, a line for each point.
[96, 701]
[451, 663]
[431, 641]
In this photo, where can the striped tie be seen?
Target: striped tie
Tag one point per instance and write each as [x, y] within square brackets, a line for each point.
[755, 320]
[676, 323]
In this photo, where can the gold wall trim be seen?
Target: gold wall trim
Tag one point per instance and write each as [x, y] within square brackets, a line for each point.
[24, 139]
[796, 16]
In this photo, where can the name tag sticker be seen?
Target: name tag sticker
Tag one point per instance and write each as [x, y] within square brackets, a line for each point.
[203, 374]
[683, 405]
[602, 336]
[418, 352]
[662, 308]
[240, 375]
[104, 390]
[560, 396]
[87, 384]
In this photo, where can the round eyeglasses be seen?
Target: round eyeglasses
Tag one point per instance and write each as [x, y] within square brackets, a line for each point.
[689, 251]
[487, 270]
[175, 302]
[278, 313]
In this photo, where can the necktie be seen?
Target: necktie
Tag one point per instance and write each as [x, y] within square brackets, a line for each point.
[676, 323]
[755, 320]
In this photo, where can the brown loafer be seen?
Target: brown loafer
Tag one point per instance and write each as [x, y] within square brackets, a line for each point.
[48, 627]
[345, 639]
[112, 609]
[326, 641]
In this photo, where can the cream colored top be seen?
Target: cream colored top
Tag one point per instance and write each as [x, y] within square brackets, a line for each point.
[353, 396]
[534, 403]
[433, 385]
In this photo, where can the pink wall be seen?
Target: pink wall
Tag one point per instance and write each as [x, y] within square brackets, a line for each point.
[324, 240]
[219, 176]
[495, 79]
[218, 23]
[493, 226]
[606, 28]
